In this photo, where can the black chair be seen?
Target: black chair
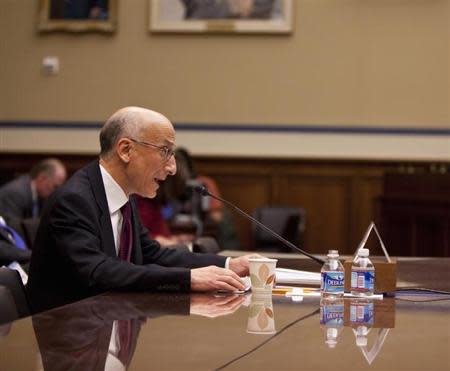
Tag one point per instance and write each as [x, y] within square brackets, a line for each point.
[8, 309]
[288, 222]
[10, 278]
[30, 227]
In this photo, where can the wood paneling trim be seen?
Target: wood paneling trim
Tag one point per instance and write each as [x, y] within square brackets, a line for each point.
[341, 197]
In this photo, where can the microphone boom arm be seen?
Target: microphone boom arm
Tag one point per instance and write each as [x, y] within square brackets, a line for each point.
[204, 192]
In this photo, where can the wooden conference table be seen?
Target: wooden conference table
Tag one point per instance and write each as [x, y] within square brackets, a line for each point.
[227, 332]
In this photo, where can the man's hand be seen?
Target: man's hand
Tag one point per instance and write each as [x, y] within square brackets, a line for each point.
[211, 307]
[240, 265]
[215, 278]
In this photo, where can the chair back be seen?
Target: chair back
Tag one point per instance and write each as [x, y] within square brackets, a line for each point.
[10, 278]
[30, 227]
[288, 222]
[8, 310]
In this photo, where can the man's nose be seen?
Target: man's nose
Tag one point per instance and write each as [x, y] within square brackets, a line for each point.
[171, 166]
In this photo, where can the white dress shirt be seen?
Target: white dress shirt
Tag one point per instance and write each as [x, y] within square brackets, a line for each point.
[116, 198]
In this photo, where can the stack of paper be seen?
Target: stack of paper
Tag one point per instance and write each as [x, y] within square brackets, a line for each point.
[293, 276]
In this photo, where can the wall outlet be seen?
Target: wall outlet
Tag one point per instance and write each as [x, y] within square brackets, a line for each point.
[50, 65]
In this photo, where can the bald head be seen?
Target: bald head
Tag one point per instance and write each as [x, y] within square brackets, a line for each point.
[128, 122]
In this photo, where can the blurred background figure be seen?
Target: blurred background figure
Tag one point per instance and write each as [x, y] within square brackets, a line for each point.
[153, 218]
[179, 214]
[22, 199]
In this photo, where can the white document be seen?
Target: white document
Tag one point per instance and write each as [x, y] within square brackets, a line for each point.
[293, 276]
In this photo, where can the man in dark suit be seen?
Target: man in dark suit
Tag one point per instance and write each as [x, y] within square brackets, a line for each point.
[23, 197]
[90, 238]
[90, 335]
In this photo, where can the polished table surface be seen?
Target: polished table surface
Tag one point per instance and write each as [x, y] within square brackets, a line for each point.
[207, 332]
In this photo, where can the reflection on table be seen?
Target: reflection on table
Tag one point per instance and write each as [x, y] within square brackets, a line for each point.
[197, 332]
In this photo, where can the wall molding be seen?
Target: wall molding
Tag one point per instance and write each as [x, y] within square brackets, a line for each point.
[257, 128]
[239, 140]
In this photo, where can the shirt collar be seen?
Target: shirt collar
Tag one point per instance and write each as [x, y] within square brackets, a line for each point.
[34, 195]
[115, 196]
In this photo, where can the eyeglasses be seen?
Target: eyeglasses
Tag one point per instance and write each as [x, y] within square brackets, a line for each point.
[167, 153]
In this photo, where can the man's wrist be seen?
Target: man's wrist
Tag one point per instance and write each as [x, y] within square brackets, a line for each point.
[227, 263]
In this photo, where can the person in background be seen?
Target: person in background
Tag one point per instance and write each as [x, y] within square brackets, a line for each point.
[23, 197]
[90, 238]
[183, 201]
[151, 211]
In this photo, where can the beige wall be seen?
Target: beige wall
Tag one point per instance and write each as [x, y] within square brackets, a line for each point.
[348, 62]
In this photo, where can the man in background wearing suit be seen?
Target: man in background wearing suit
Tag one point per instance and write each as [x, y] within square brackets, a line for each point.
[23, 197]
[90, 238]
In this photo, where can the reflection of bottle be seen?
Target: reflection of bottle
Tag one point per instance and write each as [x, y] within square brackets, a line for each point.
[361, 333]
[363, 275]
[332, 276]
[361, 311]
[332, 319]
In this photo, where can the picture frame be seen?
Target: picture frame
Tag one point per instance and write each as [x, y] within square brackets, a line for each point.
[221, 16]
[77, 16]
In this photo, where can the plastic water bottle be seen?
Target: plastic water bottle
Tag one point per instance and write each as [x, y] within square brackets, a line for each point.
[361, 333]
[363, 275]
[361, 312]
[332, 276]
[332, 319]
[361, 319]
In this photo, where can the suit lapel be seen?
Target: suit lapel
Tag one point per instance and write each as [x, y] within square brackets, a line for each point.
[95, 178]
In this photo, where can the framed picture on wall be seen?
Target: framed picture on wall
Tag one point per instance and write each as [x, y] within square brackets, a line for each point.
[221, 16]
[77, 15]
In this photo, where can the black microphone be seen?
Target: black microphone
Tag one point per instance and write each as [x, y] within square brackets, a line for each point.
[204, 192]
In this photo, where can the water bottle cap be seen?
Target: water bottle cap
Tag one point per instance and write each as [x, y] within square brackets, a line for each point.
[363, 252]
[361, 341]
[332, 334]
[333, 254]
[362, 330]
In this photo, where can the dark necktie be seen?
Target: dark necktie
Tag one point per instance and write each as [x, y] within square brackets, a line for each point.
[126, 235]
[125, 337]
[35, 209]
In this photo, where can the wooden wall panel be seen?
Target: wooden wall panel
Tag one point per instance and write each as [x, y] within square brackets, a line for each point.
[364, 208]
[325, 200]
[340, 198]
[247, 192]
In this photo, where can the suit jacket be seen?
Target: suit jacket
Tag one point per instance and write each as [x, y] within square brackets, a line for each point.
[77, 337]
[16, 200]
[74, 255]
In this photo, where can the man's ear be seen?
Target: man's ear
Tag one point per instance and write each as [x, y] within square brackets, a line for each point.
[124, 148]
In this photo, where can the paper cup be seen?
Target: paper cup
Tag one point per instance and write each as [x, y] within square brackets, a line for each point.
[261, 320]
[262, 275]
